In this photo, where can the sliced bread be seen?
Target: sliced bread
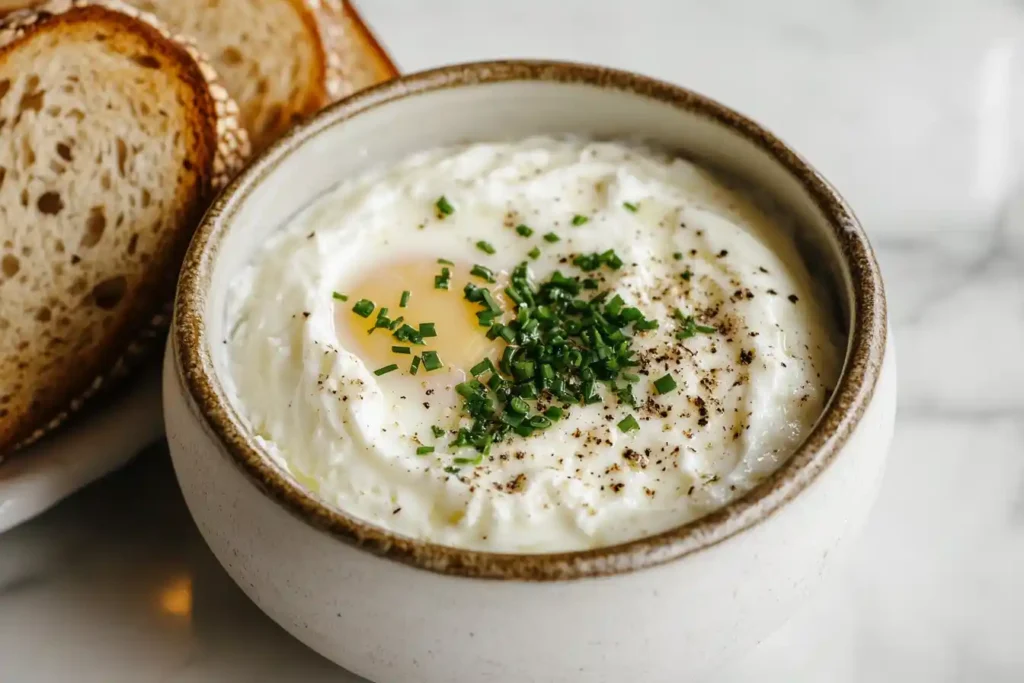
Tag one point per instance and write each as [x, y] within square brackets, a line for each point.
[358, 56]
[277, 58]
[113, 138]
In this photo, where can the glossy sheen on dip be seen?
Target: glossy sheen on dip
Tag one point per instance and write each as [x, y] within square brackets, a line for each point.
[748, 386]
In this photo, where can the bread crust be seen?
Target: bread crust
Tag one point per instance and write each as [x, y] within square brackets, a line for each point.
[220, 150]
[350, 46]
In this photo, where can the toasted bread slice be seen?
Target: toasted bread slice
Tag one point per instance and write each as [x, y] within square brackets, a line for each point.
[276, 57]
[359, 58]
[113, 139]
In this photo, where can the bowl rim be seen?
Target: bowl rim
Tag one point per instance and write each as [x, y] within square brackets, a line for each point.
[852, 394]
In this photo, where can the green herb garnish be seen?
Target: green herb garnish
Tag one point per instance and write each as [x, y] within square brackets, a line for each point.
[431, 362]
[524, 230]
[551, 237]
[579, 219]
[415, 367]
[563, 341]
[339, 296]
[665, 384]
[404, 301]
[363, 308]
[485, 247]
[437, 431]
[688, 326]
[482, 367]
[483, 272]
[427, 330]
[444, 207]
[629, 206]
[443, 280]
[628, 424]
[385, 370]
[445, 262]
[401, 349]
[424, 450]
[534, 253]
[589, 262]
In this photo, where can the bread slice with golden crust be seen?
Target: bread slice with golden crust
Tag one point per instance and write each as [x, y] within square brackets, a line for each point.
[282, 60]
[114, 136]
[357, 55]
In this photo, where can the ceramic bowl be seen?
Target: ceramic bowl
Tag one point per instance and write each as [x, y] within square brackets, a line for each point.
[394, 609]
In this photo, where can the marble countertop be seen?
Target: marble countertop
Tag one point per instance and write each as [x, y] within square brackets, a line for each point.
[915, 110]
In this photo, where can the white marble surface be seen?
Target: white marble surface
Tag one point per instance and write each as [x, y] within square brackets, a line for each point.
[915, 109]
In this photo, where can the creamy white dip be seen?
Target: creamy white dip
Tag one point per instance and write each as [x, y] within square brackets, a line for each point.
[302, 363]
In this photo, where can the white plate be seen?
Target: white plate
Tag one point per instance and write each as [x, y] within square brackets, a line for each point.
[51, 470]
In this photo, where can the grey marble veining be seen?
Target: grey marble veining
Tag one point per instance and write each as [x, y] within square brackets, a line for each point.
[915, 109]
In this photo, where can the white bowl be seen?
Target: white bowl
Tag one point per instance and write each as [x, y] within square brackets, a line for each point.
[395, 609]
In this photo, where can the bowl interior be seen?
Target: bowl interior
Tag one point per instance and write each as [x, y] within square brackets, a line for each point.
[503, 101]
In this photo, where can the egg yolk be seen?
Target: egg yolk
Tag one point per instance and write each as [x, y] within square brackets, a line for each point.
[461, 341]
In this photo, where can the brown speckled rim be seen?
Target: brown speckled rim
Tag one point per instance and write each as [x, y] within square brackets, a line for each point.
[852, 394]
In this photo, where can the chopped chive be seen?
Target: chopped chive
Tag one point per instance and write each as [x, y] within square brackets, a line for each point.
[686, 275]
[339, 296]
[534, 253]
[629, 206]
[431, 362]
[481, 367]
[424, 450]
[557, 343]
[443, 280]
[628, 424]
[689, 327]
[385, 370]
[483, 272]
[507, 333]
[401, 349]
[665, 384]
[405, 299]
[415, 367]
[579, 219]
[451, 470]
[524, 230]
[363, 308]
[444, 207]
[518, 405]
[551, 237]
[678, 256]
[427, 330]
[540, 422]
[485, 247]
[445, 262]
[469, 461]
[490, 302]
[437, 431]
